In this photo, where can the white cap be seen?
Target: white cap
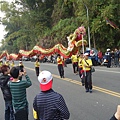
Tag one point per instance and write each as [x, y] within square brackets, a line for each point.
[108, 49]
[45, 79]
[86, 54]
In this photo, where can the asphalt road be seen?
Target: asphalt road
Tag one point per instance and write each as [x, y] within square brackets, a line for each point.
[99, 105]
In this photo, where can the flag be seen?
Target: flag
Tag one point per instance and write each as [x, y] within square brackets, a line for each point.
[111, 24]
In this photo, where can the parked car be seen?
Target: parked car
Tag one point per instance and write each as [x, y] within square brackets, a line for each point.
[33, 59]
[25, 58]
[68, 61]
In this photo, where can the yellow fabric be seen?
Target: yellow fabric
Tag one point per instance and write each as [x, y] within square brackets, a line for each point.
[35, 114]
[20, 64]
[59, 60]
[37, 64]
[74, 58]
[89, 61]
[12, 64]
[1, 64]
[7, 63]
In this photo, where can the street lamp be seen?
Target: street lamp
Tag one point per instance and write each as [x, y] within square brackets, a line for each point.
[88, 24]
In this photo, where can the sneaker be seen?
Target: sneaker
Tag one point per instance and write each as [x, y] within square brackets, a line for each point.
[90, 90]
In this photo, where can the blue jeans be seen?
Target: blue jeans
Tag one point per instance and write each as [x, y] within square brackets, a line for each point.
[9, 114]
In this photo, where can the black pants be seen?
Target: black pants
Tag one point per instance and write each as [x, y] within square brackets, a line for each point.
[61, 70]
[37, 71]
[88, 80]
[21, 114]
[75, 67]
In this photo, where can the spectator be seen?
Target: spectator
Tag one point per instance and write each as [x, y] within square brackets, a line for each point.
[108, 57]
[18, 90]
[116, 116]
[4, 79]
[92, 55]
[48, 104]
[117, 55]
[100, 57]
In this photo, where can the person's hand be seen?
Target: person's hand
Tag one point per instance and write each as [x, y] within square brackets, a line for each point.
[117, 114]
[24, 73]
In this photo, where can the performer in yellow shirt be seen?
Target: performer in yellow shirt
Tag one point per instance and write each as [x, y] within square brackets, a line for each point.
[74, 59]
[81, 68]
[21, 66]
[37, 65]
[1, 62]
[7, 63]
[12, 64]
[60, 66]
[87, 64]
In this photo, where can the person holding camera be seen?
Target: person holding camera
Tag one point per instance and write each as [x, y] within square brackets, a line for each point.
[18, 91]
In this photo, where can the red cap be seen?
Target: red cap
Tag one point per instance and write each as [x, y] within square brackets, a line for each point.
[45, 79]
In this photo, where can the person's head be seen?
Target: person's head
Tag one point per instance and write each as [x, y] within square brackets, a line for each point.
[14, 72]
[81, 54]
[86, 55]
[45, 78]
[20, 62]
[59, 56]
[5, 70]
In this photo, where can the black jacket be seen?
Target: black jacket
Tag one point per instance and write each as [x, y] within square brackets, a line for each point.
[4, 87]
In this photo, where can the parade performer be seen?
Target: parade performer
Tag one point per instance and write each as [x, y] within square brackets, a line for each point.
[81, 68]
[74, 59]
[87, 64]
[7, 63]
[21, 66]
[1, 62]
[12, 64]
[60, 66]
[37, 65]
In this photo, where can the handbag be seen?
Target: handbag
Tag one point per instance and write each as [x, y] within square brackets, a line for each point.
[92, 69]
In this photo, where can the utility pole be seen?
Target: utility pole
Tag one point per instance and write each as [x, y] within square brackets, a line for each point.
[88, 24]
